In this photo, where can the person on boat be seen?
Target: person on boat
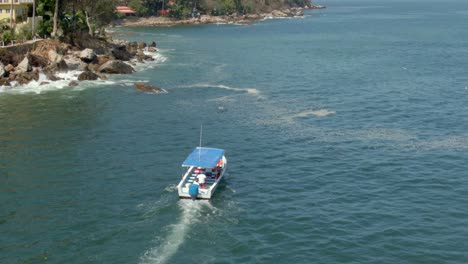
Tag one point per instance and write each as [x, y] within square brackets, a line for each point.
[201, 180]
[219, 168]
[199, 170]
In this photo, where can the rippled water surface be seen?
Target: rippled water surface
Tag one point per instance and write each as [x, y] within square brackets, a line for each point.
[346, 133]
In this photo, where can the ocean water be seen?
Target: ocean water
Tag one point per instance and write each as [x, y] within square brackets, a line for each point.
[346, 133]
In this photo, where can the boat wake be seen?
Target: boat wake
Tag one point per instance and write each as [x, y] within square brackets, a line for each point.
[191, 214]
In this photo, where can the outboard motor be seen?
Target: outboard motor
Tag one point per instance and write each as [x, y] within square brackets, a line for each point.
[193, 191]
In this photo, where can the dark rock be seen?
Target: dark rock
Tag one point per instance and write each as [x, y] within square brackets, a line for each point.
[44, 83]
[87, 75]
[142, 57]
[116, 67]
[4, 82]
[152, 44]
[52, 77]
[122, 55]
[73, 83]
[88, 55]
[55, 67]
[9, 68]
[103, 59]
[147, 88]
[38, 61]
[152, 49]
[26, 77]
[141, 45]
[132, 47]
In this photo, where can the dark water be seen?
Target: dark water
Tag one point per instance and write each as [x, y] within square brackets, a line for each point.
[346, 134]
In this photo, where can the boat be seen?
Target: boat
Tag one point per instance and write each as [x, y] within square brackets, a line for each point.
[209, 162]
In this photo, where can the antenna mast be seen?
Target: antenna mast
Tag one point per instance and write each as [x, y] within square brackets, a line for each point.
[199, 150]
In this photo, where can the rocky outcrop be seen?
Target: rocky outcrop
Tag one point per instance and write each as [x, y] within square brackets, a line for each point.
[96, 59]
[23, 66]
[2, 69]
[26, 77]
[116, 67]
[121, 54]
[88, 55]
[147, 88]
[87, 76]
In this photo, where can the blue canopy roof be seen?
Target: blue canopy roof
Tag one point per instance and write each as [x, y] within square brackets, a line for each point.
[204, 157]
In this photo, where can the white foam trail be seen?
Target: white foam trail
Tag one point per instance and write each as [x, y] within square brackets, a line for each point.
[252, 91]
[318, 113]
[191, 212]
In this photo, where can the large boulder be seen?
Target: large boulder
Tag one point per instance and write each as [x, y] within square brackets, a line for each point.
[24, 66]
[4, 82]
[73, 62]
[38, 61]
[52, 77]
[88, 55]
[87, 76]
[152, 44]
[2, 69]
[26, 77]
[147, 88]
[116, 67]
[9, 68]
[141, 45]
[57, 62]
[54, 56]
[141, 56]
[278, 13]
[121, 54]
[132, 47]
[55, 67]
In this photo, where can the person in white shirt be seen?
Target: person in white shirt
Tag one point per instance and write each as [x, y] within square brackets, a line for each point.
[201, 180]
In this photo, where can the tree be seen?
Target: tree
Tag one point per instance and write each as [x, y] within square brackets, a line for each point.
[98, 13]
[11, 14]
[54, 30]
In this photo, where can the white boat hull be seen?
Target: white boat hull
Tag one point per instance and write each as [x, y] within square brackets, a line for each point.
[203, 193]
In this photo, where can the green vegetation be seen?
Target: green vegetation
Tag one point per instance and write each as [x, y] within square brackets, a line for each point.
[64, 19]
[72, 19]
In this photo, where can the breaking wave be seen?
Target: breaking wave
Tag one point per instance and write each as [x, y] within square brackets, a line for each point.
[43, 84]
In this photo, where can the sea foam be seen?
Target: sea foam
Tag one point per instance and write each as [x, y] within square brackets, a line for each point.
[252, 91]
[43, 84]
[191, 212]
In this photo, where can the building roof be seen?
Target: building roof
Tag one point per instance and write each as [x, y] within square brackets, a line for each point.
[124, 10]
[204, 157]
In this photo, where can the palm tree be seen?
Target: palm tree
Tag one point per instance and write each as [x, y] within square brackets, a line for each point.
[11, 14]
[54, 29]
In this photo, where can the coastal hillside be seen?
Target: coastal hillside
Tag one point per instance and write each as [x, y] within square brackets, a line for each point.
[187, 8]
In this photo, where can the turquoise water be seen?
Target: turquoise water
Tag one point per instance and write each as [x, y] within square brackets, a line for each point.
[346, 134]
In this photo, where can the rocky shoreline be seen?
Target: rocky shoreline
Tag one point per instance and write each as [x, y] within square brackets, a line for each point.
[207, 19]
[24, 63]
[95, 58]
